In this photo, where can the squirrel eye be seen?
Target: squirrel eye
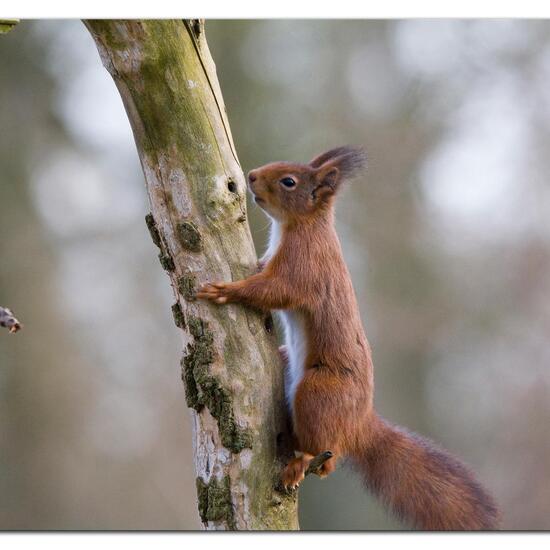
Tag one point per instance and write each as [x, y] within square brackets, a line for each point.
[288, 182]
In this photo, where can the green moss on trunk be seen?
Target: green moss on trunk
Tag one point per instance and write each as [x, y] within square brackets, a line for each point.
[214, 501]
[153, 231]
[179, 318]
[203, 389]
[189, 236]
[186, 287]
[188, 378]
[166, 262]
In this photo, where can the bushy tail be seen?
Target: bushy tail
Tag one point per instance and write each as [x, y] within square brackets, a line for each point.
[422, 484]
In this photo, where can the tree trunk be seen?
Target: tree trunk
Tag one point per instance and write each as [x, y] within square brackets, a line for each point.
[230, 368]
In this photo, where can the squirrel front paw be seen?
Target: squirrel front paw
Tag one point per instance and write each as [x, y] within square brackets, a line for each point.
[214, 292]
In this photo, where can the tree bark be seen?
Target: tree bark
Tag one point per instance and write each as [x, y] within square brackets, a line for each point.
[231, 370]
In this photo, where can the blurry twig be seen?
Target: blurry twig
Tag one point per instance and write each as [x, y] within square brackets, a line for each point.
[8, 320]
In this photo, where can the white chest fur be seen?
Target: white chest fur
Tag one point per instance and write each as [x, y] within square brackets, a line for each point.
[293, 326]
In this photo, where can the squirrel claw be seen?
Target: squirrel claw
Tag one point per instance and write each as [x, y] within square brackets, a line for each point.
[294, 472]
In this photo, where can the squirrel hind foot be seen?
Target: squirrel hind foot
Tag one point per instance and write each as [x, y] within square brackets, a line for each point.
[295, 471]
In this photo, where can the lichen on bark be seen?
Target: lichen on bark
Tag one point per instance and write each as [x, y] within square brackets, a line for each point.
[179, 317]
[214, 501]
[190, 236]
[166, 262]
[153, 231]
[165, 259]
[204, 389]
[187, 286]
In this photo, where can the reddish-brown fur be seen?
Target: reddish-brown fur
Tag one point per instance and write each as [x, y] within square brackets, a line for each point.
[333, 403]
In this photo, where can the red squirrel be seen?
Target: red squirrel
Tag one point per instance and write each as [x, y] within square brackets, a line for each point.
[329, 371]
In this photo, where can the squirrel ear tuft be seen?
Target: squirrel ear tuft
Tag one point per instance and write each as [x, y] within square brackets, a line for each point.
[349, 160]
[335, 166]
[327, 155]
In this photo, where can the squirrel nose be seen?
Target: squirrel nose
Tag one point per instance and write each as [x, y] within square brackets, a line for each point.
[252, 176]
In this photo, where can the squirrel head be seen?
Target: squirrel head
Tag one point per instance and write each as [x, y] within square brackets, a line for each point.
[292, 191]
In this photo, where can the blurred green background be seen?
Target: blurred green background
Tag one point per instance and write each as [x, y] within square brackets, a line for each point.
[447, 239]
